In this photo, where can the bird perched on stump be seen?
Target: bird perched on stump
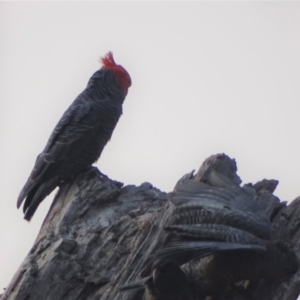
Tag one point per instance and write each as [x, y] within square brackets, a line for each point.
[80, 136]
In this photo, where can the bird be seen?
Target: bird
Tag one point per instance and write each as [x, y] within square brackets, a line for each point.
[218, 235]
[81, 134]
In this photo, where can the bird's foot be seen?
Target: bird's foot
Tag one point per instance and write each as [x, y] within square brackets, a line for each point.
[93, 169]
[99, 173]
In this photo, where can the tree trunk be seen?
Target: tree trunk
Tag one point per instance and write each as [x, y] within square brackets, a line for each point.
[97, 236]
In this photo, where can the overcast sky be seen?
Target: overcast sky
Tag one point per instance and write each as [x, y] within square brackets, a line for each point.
[207, 78]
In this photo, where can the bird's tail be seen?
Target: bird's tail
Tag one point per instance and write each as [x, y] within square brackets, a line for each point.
[35, 197]
[25, 190]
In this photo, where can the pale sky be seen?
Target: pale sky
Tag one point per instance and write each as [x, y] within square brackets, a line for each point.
[207, 77]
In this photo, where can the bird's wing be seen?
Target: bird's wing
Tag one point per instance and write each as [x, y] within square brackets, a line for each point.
[197, 202]
[78, 126]
[214, 232]
[188, 242]
[182, 252]
[198, 213]
[234, 196]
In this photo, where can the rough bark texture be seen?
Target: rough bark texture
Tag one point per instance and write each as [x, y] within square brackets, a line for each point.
[98, 235]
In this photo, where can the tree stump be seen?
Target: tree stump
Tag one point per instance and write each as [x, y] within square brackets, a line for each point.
[98, 234]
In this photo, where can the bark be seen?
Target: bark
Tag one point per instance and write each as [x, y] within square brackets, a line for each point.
[97, 236]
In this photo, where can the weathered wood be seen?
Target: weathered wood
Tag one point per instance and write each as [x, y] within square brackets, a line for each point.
[86, 240]
[98, 235]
